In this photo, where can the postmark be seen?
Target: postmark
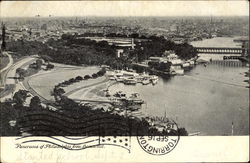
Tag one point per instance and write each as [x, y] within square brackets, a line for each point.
[163, 144]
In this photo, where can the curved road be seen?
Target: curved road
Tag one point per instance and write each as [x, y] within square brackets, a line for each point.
[9, 80]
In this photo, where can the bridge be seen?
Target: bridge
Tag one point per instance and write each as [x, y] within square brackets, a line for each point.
[215, 50]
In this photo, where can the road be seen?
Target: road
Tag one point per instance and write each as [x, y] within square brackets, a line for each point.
[8, 81]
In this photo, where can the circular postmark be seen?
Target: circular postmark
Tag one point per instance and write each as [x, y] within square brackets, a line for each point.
[161, 145]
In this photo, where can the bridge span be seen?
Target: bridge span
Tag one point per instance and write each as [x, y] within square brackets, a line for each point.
[222, 50]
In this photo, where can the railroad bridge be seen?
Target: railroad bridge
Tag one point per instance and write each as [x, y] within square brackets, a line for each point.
[225, 50]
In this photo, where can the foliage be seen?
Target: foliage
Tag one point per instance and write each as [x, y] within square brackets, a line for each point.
[78, 78]
[50, 66]
[20, 97]
[94, 75]
[8, 113]
[87, 77]
[35, 102]
[75, 50]
[57, 93]
[21, 72]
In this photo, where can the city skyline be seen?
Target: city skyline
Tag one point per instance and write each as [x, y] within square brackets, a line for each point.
[123, 8]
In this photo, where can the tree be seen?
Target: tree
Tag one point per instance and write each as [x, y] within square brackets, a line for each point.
[35, 102]
[3, 46]
[94, 75]
[20, 97]
[71, 80]
[78, 78]
[50, 66]
[101, 72]
[39, 63]
[21, 72]
[86, 77]
[57, 93]
[182, 132]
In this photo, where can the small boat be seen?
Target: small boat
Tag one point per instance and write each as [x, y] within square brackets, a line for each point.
[145, 81]
[120, 79]
[191, 62]
[173, 72]
[154, 81]
[134, 102]
[185, 65]
[130, 81]
[179, 72]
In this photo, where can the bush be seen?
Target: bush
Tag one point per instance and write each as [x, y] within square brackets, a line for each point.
[78, 78]
[72, 80]
[86, 77]
[101, 72]
[94, 75]
[50, 66]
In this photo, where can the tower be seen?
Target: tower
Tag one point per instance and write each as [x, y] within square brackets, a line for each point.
[3, 46]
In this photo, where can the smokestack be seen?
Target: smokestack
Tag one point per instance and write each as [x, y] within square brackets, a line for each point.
[132, 43]
[232, 128]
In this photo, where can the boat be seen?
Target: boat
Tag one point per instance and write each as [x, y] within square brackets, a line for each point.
[191, 62]
[145, 81]
[173, 72]
[130, 81]
[120, 79]
[176, 66]
[112, 78]
[179, 72]
[134, 103]
[186, 64]
[154, 79]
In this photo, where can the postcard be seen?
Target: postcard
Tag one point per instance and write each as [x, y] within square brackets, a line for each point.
[124, 81]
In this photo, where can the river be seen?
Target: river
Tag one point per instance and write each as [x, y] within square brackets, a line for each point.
[206, 99]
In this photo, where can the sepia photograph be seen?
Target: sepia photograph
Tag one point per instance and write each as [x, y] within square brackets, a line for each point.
[139, 76]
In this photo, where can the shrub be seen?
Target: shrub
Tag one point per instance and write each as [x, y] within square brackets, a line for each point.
[50, 66]
[94, 75]
[101, 72]
[86, 77]
[72, 80]
[78, 78]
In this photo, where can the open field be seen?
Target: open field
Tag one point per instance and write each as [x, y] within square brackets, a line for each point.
[43, 84]
[92, 92]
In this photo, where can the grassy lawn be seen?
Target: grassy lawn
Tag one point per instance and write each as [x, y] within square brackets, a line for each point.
[44, 84]
[4, 61]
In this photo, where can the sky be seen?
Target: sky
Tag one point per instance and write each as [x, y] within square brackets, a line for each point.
[123, 8]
